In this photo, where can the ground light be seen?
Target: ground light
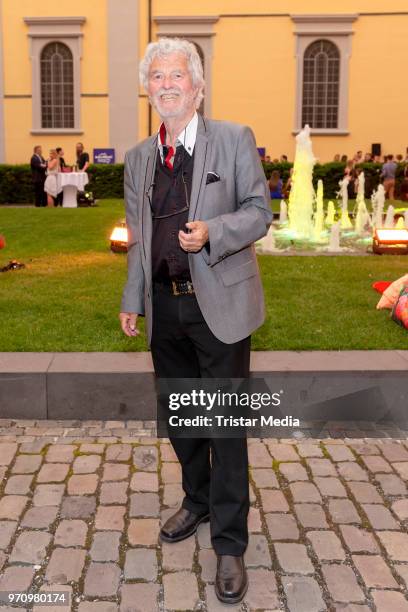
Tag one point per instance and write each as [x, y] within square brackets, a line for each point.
[119, 237]
[393, 241]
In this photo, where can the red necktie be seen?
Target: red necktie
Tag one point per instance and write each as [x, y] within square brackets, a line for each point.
[170, 150]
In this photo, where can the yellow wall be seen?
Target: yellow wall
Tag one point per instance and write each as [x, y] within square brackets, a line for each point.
[256, 88]
[254, 73]
[378, 85]
[17, 77]
[228, 7]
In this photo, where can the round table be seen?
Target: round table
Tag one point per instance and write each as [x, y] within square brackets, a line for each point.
[70, 183]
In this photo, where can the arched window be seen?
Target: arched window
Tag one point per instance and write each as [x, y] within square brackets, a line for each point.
[320, 93]
[57, 86]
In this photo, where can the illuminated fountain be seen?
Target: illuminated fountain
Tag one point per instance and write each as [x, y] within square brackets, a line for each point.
[283, 213]
[302, 194]
[331, 211]
[345, 219]
[319, 214]
[267, 244]
[303, 223]
[378, 201]
[389, 217]
[334, 244]
[362, 217]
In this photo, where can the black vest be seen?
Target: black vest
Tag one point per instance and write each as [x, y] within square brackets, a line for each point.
[169, 196]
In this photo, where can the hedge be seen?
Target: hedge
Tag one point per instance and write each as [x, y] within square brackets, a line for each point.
[106, 180]
[332, 172]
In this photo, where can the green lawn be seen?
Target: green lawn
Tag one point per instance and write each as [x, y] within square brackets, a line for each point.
[68, 297]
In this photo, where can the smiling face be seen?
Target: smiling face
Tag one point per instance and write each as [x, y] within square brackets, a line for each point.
[170, 86]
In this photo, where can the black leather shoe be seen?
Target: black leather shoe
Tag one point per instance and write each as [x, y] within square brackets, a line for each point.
[231, 581]
[182, 525]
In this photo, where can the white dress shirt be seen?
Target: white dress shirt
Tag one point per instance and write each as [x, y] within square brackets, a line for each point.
[186, 138]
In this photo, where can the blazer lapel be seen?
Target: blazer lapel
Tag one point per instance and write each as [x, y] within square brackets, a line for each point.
[146, 207]
[202, 150]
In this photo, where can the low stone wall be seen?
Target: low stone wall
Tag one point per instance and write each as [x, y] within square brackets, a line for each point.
[344, 385]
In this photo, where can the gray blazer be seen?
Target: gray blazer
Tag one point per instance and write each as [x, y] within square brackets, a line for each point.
[236, 208]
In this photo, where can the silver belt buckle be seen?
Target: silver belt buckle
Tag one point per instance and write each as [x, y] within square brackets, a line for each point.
[178, 291]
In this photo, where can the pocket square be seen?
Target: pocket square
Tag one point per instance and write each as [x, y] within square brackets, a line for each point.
[212, 177]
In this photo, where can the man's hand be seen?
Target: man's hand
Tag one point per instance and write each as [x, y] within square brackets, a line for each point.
[196, 239]
[128, 322]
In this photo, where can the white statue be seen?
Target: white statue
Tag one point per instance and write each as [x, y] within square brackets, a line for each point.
[334, 244]
[283, 212]
[345, 219]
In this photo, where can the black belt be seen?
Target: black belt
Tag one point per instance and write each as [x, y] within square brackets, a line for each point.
[176, 286]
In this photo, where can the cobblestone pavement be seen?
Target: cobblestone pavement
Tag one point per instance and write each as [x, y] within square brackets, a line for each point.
[81, 505]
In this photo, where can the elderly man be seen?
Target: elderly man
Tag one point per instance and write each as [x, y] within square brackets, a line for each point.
[196, 200]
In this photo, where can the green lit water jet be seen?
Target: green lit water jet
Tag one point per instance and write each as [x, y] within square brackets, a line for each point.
[302, 195]
[302, 224]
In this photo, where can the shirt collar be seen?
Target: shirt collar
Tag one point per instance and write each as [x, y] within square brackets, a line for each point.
[186, 137]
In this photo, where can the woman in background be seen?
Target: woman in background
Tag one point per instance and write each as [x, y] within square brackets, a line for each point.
[288, 185]
[350, 172]
[50, 185]
[275, 186]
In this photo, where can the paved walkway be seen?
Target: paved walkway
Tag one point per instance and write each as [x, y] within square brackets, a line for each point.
[81, 505]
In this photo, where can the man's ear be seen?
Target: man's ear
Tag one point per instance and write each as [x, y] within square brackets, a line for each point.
[196, 92]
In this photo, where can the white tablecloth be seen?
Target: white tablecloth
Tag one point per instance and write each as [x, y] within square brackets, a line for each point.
[76, 179]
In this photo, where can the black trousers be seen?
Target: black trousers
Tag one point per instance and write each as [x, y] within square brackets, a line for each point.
[39, 194]
[183, 346]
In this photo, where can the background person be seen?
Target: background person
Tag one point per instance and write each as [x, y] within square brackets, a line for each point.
[351, 173]
[60, 153]
[288, 185]
[60, 195]
[404, 185]
[38, 171]
[275, 185]
[51, 183]
[82, 158]
[358, 158]
[388, 175]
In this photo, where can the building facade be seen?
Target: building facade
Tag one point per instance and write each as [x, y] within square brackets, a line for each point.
[69, 72]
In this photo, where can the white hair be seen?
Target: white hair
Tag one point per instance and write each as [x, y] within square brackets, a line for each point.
[165, 46]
